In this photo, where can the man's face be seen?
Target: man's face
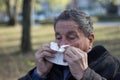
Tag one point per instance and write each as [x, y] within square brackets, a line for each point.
[68, 33]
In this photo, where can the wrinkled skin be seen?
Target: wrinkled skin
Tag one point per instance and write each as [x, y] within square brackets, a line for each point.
[67, 33]
[44, 66]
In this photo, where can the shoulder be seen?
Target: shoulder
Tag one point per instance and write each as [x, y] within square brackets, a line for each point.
[101, 52]
[103, 62]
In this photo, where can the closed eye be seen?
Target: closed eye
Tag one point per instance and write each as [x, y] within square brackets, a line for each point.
[58, 37]
[71, 38]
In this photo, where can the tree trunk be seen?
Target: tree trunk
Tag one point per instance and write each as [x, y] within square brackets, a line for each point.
[26, 38]
[12, 12]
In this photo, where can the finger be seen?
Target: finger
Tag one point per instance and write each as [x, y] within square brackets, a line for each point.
[77, 52]
[41, 57]
[48, 50]
[67, 58]
[73, 54]
[44, 48]
[81, 53]
[70, 52]
[47, 54]
[43, 54]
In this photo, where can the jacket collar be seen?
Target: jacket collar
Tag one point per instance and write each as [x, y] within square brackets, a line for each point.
[96, 53]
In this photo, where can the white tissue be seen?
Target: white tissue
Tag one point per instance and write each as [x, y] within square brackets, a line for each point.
[58, 55]
[54, 46]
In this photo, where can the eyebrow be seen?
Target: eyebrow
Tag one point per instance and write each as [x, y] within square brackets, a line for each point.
[70, 32]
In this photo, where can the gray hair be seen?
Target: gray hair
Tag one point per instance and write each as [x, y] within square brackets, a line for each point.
[81, 18]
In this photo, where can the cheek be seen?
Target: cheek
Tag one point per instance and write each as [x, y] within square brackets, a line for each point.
[83, 45]
[76, 44]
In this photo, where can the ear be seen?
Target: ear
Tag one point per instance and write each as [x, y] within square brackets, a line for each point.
[91, 40]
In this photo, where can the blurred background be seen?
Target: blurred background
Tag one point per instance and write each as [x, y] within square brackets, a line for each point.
[26, 24]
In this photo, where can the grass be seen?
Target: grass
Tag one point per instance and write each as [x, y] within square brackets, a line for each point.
[109, 37]
[14, 64]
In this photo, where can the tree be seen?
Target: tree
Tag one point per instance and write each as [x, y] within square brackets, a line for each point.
[26, 38]
[12, 11]
[111, 6]
[112, 9]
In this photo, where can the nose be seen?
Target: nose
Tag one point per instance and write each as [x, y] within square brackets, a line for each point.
[63, 41]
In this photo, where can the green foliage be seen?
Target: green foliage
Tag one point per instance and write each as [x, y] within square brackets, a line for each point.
[3, 6]
[19, 6]
[115, 2]
[58, 4]
[53, 4]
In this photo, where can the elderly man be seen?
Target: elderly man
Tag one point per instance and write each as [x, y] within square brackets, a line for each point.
[84, 62]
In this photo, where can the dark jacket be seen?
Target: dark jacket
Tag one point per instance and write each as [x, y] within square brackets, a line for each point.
[102, 66]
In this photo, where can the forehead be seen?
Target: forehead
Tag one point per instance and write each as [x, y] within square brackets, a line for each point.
[66, 25]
